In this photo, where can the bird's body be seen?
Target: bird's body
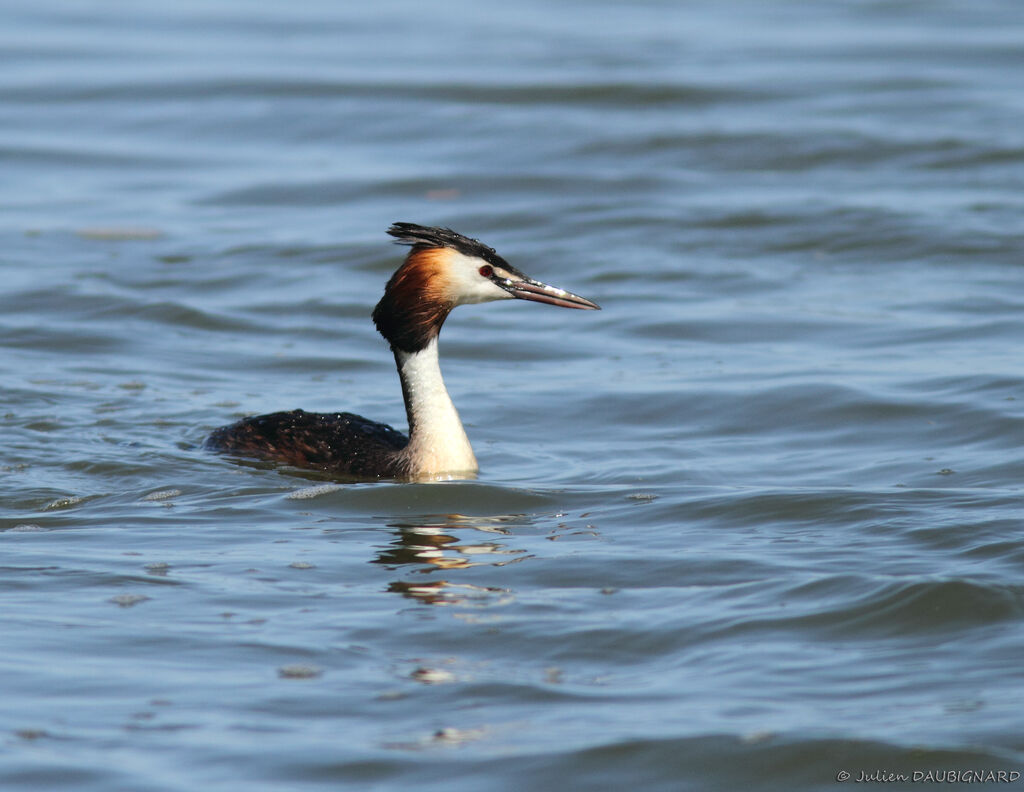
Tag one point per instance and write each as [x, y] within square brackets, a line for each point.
[443, 269]
[342, 443]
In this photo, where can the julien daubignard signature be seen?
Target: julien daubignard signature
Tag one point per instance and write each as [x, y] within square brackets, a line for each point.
[930, 776]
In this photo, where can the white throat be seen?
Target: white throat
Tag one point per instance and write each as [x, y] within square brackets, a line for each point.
[438, 447]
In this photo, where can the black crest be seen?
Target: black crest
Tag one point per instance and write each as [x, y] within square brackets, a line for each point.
[424, 237]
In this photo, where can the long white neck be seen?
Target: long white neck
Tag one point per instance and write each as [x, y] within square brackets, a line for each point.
[438, 447]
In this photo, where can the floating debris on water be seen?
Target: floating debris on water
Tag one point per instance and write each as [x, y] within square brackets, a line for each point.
[163, 495]
[63, 503]
[312, 492]
[432, 676]
[31, 734]
[453, 736]
[299, 671]
[443, 194]
[128, 600]
[446, 736]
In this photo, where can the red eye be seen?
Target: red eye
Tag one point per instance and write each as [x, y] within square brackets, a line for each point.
[487, 270]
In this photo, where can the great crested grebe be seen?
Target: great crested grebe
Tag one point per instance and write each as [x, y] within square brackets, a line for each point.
[443, 269]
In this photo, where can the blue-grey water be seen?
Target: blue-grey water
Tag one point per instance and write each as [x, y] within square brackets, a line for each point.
[756, 524]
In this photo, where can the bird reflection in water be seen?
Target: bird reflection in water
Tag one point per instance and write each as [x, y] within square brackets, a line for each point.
[437, 545]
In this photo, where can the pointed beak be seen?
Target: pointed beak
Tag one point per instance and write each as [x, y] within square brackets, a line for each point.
[529, 289]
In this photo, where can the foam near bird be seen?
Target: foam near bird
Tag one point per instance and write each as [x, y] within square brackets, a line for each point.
[442, 270]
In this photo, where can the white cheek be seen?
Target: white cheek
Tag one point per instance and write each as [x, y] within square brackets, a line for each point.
[484, 291]
[468, 285]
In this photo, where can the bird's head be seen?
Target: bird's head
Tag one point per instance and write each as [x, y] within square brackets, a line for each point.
[445, 269]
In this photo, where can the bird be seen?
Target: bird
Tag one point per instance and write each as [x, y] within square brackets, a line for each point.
[443, 269]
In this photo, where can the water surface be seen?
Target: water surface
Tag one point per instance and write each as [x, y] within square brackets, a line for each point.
[755, 524]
